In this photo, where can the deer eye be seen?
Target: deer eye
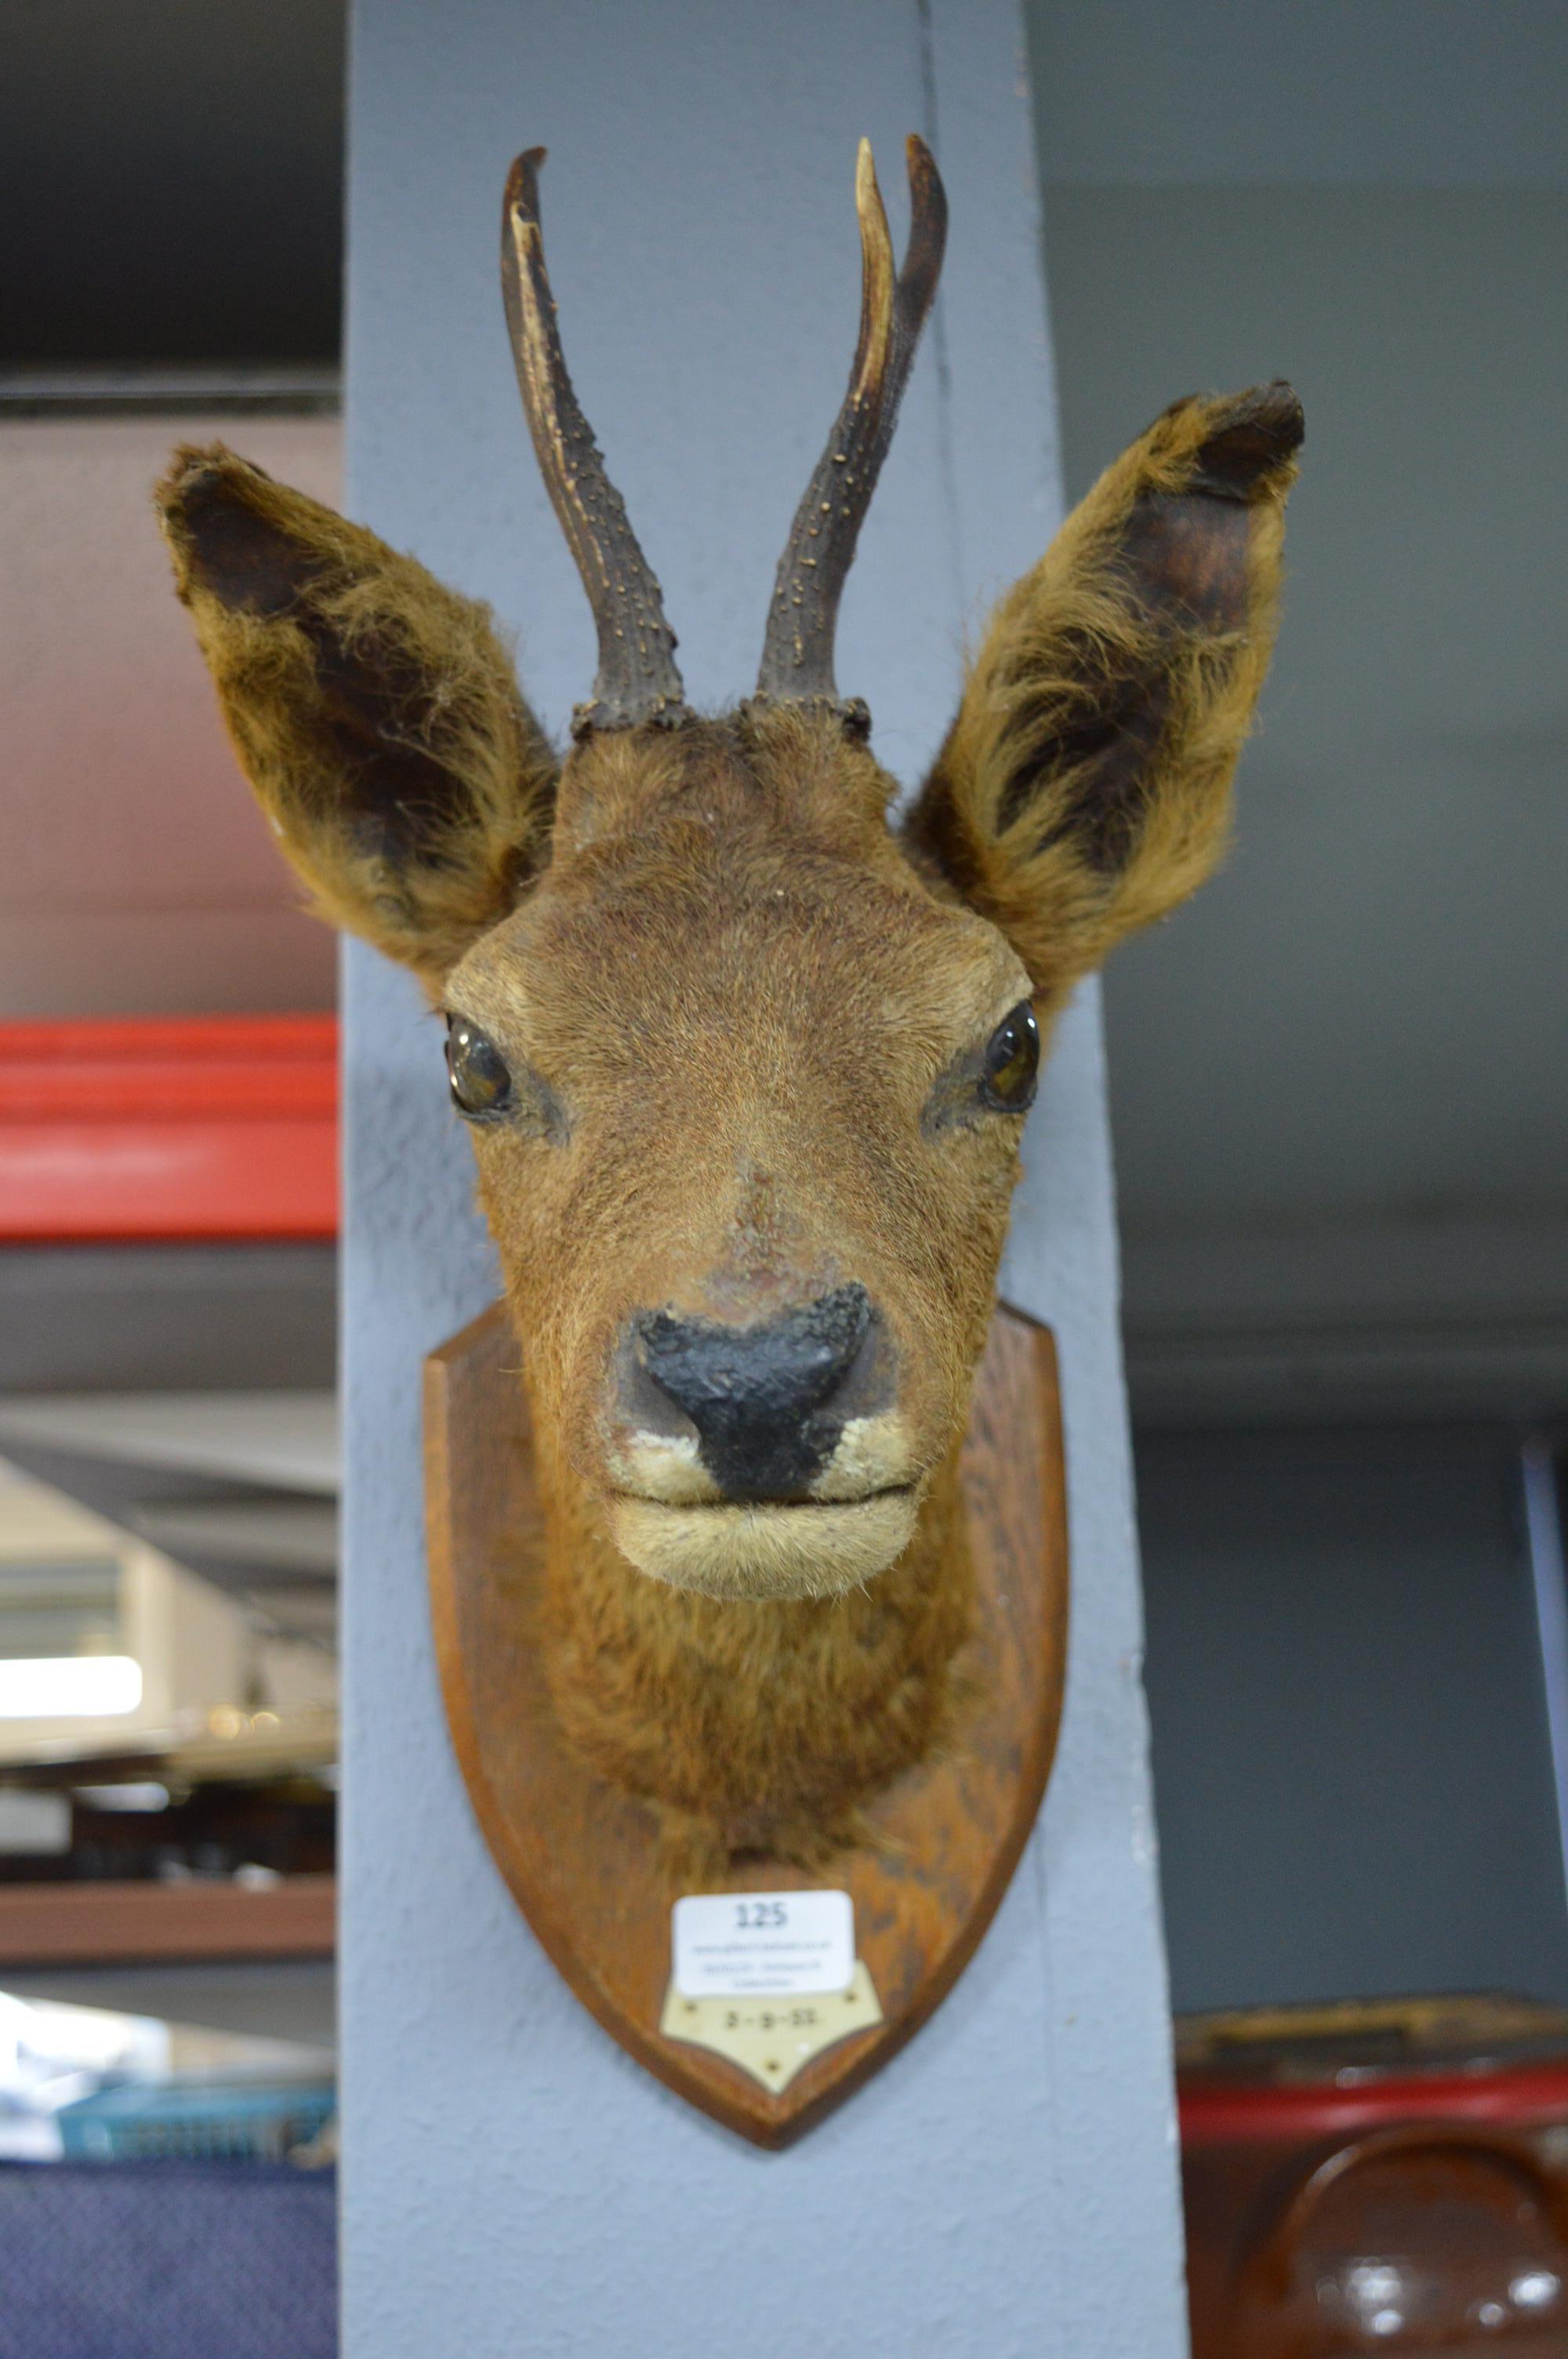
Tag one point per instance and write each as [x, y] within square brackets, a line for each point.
[1012, 1062]
[481, 1083]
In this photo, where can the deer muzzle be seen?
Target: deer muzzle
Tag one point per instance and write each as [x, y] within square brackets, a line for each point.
[766, 1459]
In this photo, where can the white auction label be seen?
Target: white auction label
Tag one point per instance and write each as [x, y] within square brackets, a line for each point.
[763, 1944]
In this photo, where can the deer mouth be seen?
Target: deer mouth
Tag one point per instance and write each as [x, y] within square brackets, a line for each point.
[766, 1548]
[870, 1456]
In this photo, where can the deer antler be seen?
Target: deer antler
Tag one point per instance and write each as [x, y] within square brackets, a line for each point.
[797, 653]
[637, 679]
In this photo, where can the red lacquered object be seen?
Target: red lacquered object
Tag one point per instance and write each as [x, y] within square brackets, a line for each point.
[1387, 2176]
[162, 1129]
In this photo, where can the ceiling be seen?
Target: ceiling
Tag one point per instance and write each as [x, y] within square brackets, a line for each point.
[171, 177]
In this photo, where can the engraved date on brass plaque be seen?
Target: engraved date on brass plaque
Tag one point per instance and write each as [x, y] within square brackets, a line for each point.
[771, 2039]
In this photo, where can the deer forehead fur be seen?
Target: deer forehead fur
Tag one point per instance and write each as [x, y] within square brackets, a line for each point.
[743, 997]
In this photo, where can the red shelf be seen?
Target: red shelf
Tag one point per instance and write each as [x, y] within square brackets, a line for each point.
[150, 1128]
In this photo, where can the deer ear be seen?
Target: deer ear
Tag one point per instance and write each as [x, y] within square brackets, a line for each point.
[1084, 787]
[374, 712]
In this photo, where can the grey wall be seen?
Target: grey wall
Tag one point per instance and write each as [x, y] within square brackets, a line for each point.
[1342, 1136]
[1428, 92]
[1350, 1741]
[512, 2182]
[1341, 1127]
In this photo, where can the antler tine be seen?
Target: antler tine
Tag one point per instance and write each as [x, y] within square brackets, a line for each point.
[637, 679]
[797, 653]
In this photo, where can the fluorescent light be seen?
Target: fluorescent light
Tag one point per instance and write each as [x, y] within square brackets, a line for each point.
[69, 1687]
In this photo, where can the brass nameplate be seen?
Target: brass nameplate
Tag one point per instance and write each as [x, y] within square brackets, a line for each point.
[772, 2038]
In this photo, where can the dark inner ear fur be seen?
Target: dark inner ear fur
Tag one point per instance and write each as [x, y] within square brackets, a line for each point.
[1252, 437]
[247, 561]
[1084, 787]
[1100, 749]
[373, 710]
[1183, 561]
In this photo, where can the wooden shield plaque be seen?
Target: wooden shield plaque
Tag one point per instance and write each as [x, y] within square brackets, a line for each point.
[580, 1858]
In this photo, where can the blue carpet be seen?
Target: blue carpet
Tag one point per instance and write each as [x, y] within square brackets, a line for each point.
[166, 2261]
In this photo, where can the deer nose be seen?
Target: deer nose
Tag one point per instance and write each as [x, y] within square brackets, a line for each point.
[768, 1402]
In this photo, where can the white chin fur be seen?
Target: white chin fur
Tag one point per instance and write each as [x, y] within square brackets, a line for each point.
[766, 1551]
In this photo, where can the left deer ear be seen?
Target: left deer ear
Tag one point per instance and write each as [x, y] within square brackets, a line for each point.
[1085, 786]
[374, 711]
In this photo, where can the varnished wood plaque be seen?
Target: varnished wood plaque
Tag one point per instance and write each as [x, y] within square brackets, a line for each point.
[581, 1860]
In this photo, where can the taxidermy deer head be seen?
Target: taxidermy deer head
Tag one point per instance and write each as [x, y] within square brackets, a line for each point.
[745, 1066]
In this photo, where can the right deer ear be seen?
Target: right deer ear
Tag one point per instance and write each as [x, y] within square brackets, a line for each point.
[374, 712]
[1084, 787]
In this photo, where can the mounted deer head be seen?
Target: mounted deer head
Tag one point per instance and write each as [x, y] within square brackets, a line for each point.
[744, 1066]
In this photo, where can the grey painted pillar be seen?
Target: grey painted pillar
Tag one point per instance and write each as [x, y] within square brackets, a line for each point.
[513, 2183]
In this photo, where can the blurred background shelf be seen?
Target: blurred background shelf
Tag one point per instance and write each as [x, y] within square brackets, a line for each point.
[137, 1923]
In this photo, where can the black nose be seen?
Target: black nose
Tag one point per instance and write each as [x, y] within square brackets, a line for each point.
[768, 1402]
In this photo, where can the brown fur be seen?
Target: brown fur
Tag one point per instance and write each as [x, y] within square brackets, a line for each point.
[1085, 787]
[376, 713]
[743, 1019]
[785, 1714]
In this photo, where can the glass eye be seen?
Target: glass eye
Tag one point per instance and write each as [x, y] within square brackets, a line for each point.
[476, 1069]
[1013, 1062]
